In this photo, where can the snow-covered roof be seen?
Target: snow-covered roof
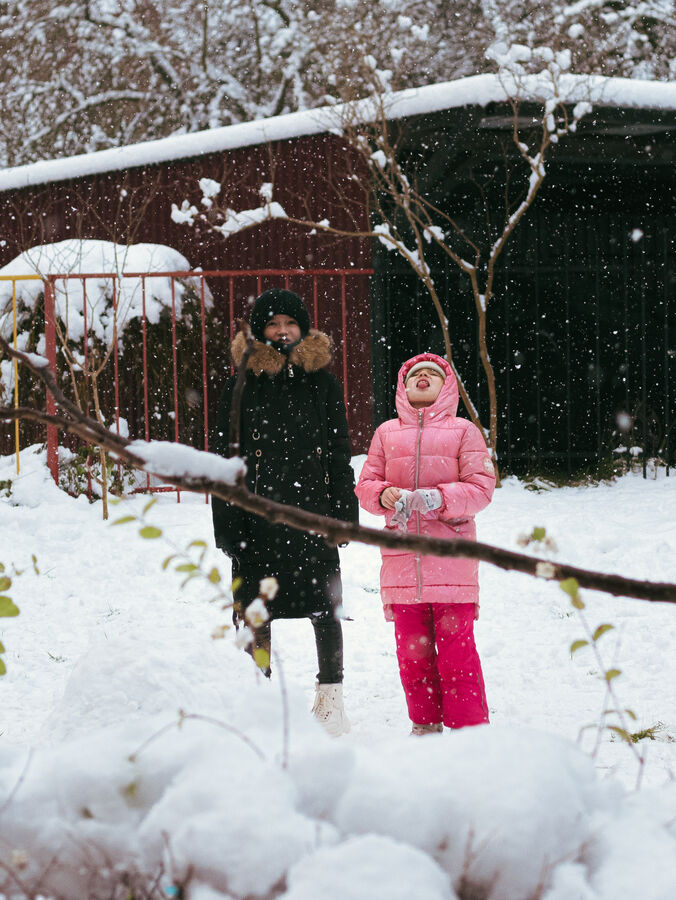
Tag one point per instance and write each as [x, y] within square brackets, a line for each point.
[477, 90]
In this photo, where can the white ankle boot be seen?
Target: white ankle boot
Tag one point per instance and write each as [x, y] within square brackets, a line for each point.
[328, 709]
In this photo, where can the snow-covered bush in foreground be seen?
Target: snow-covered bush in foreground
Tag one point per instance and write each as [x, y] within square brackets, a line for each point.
[491, 812]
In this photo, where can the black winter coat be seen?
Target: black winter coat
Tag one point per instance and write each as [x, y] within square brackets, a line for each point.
[295, 441]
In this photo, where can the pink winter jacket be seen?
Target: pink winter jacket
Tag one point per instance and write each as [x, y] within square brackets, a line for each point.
[429, 448]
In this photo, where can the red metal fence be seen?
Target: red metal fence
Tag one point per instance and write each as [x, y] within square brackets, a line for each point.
[337, 300]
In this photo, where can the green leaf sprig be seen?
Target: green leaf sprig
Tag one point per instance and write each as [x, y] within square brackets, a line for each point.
[8, 609]
[189, 562]
[611, 704]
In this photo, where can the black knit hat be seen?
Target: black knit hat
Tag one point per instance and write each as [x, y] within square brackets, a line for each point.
[278, 301]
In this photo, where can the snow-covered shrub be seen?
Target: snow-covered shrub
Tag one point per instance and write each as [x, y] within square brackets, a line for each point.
[80, 473]
[115, 309]
[489, 813]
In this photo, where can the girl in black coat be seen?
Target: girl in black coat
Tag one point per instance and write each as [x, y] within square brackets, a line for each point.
[293, 435]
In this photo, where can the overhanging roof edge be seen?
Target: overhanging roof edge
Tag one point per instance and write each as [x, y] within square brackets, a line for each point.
[477, 90]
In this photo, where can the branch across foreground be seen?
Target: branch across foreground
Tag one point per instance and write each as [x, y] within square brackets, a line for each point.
[70, 419]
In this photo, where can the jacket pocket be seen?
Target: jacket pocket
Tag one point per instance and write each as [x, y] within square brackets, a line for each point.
[391, 551]
[455, 522]
[463, 526]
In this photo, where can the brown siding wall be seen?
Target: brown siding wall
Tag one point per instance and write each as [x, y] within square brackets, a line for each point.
[312, 179]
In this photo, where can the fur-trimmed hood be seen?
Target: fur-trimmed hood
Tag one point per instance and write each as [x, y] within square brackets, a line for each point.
[312, 353]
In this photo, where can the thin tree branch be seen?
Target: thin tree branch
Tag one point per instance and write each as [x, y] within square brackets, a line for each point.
[18, 783]
[334, 530]
[12, 874]
[104, 99]
[234, 436]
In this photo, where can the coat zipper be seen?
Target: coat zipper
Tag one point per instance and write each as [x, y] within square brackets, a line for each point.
[256, 437]
[417, 474]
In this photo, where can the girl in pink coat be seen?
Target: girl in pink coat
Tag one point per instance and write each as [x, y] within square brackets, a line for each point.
[428, 472]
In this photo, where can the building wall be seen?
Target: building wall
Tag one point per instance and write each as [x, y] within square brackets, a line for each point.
[582, 326]
[311, 180]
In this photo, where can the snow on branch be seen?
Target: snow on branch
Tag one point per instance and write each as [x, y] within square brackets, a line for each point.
[182, 461]
[413, 257]
[542, 74]
[184, 214]
[232, 222]
[249, 218]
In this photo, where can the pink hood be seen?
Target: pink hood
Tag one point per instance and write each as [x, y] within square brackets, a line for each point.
[429, 448]
[446, 403]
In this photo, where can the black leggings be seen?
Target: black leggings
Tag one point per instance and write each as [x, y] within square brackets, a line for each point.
[329, 642]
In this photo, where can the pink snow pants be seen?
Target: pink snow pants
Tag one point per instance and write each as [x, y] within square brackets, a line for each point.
[439, 665]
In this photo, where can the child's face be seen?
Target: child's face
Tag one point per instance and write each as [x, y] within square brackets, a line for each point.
[422, 388]
[282, 330]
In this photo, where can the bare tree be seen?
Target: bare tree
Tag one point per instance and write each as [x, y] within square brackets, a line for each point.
[396, 208]
[105, 73]
[102, 73]
[409, 222]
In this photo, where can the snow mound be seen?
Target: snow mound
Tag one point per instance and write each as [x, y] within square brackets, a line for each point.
[369, 866]
[117, 262]
[209, 804]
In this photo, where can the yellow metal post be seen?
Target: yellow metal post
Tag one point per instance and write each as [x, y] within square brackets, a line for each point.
[14, 279]
[16, 378]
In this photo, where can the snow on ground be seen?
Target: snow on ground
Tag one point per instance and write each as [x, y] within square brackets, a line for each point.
[97, 780]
